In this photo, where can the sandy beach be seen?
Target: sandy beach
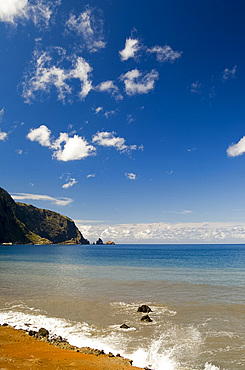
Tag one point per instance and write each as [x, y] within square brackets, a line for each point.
[18, 350]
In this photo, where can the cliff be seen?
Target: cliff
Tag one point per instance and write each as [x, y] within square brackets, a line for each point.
[24, 224]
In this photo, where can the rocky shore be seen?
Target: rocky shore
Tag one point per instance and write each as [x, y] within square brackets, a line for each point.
[37, 349]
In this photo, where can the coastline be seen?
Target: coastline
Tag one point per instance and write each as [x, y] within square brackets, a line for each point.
[18, 349]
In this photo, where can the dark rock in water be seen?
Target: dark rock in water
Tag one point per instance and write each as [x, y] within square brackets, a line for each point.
[99, 242]
[144, 309]
[42, 332]
[124, 326]
[146, 318]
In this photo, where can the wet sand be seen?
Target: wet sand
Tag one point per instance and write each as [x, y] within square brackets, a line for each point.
[18, 350]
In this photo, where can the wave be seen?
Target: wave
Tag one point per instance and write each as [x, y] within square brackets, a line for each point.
[163, 351]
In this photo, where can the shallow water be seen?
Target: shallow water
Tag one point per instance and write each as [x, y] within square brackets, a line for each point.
[85, 293]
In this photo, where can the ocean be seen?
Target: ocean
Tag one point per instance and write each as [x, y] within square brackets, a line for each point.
[86, 292]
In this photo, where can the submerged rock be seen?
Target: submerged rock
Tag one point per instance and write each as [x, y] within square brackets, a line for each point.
[124, 326]
[146, 318]
[144, 308]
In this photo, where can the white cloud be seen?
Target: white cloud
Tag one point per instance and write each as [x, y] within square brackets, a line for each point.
[69, 184]
[41, 135]
[2, 114]
[90, 26]
[38, 11]
[19, 151]
[165, 232]
[130, 175]
[184, 212]
[65, 148]
[57, 201]
[137, 83]
[165, 53]
[130, 49]
[196, 87]
[111, 88]
[98, 110]
[109, 113]
[108, 139]
[90, 175]
[46, 75]
[3, 136]
[238, 149]
[229, 73]
[73, 148]
[10, 10]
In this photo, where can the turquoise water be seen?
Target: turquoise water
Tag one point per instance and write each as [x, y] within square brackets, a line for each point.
[196, 292]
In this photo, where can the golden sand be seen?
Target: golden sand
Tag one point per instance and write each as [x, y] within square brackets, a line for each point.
[18, 350]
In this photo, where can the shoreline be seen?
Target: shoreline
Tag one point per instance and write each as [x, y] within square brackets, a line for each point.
[23, 349]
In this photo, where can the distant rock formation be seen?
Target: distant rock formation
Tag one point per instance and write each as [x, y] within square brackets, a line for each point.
[99, 242]
[24, 224]
[109, 243]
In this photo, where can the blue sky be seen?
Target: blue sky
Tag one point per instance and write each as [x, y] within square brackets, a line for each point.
[127, 116]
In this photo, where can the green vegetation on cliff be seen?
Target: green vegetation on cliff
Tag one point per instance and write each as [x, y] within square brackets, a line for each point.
[25, 224]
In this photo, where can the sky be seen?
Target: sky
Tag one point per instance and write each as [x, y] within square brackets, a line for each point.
[127, 116]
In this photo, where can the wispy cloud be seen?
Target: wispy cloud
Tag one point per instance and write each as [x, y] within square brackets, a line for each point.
[136, 82]
[69, 184]
[90, 175]
[108, 139]
[130, 175]
[111, 88]
[196, 87]
[3, 135]
[98, 110]
[89, 25]
[165, 53]
[65, 148]
[229, 73]
[45, 74]
[235, 150]
[57, 201]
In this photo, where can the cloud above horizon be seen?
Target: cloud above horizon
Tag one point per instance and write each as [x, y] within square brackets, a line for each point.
[161, 232]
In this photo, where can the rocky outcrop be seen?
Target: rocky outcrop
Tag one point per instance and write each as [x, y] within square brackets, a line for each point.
[99, 242]
[144, 308]
[146, 318]
[109, 243]
[25, 224]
